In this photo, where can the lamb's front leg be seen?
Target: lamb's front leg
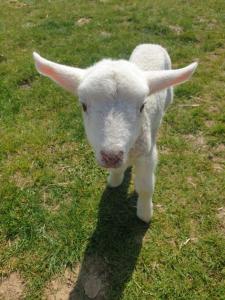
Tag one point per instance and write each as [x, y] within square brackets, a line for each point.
[144, 184]
[116, 176]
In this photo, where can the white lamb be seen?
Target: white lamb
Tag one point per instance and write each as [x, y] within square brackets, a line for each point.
[123, 104]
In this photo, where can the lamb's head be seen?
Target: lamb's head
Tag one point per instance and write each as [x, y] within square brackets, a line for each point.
[112, 95]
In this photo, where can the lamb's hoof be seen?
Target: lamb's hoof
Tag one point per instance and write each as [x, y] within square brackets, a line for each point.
[115, 180]
[144, 210]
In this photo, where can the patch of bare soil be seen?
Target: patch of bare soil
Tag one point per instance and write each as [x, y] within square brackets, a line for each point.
[61, 287]
[12, 287]
[85, 282]
[198, 140]
[92, 281]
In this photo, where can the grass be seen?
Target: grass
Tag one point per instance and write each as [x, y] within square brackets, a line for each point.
[56, 211]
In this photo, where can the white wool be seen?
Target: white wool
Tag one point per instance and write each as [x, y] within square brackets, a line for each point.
[113, 93]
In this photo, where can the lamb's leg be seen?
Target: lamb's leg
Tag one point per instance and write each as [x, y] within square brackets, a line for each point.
[144, 184]
[116, 176]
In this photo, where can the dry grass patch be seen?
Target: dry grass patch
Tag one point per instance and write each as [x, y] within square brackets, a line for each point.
[160, 208]
[83, 21]
[105, 34]
[176, 29]
[217, 159]
[210, 123]
[214, 109]
[191, 182]
[17, 3]
[221, 217]
[220, 149]
[21, 181]
[49, 202]
[194, 230]
[218, 168]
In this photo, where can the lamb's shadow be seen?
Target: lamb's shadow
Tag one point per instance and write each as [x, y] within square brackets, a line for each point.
[113, 249]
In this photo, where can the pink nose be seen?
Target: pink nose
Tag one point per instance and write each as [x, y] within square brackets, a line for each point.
[111, 159]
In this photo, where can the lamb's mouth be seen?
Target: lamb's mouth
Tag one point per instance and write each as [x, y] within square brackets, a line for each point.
[111, 166]
[114, 165]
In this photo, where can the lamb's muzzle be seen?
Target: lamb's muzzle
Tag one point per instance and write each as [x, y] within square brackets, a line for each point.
[110, 159]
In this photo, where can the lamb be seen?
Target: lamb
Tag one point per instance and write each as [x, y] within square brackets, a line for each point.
[123, 105]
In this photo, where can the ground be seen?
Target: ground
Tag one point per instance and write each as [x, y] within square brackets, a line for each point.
[63, 234]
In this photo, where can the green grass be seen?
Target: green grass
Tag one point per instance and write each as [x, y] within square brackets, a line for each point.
[55, 209]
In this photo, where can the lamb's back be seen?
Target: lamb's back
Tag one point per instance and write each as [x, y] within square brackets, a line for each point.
[151, 57]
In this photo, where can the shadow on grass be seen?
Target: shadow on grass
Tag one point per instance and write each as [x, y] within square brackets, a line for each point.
[113, 249]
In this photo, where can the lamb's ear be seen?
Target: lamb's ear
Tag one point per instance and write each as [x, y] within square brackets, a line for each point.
[67, 77]
[160, 80]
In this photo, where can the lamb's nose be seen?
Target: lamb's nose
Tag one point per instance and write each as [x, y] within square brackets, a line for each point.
[112, 158]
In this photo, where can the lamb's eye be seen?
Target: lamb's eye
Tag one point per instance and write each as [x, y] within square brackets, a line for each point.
[142, 107]
[84, 106]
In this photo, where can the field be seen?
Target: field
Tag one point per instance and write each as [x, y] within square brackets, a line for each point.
[63, 233]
